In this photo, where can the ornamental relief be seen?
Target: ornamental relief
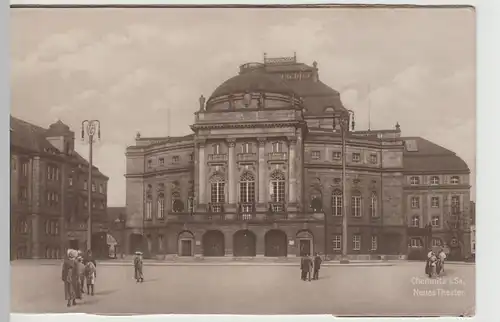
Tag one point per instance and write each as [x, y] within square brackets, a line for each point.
[247, 167]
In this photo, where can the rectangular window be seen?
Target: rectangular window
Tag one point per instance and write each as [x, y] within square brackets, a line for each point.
[85, 185]
[435, 222]
[356, 157]
[191, 157]
[277, 147]
[216, 148]
[149, 209]
[435, 202]
[101, 188]
[415, 242]
[175, 159]
[337, 204]
[336, 155]
[23, 194]
[246, 148]
[85, 204]
[455, 204]
[356, 206]
[373, 158]
[162, 161]
[374, 243]
[356, 242]
[414, 181]
[315, 155]
[278, 191]
[247, 191]
[150, 163]
[25, 167]
[217, 192]
[415, 202]
[70, 182]
[337, 242]
[93, 187]
[160, 243]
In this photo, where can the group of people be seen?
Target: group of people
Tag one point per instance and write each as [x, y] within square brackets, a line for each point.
[435, 262]
[310, 265]
[76, 272]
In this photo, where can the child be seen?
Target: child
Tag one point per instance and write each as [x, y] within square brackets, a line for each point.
[90, 274]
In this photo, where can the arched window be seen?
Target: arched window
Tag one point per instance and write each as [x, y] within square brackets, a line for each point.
[177, 204]
[434, 180]
[149, 207]
[374, 205]
[337, 203]
[217, 184]
[415, 221]
[356, 204]
[455, 180]
[277, 186]
[247, 188]
[316, 202]
[161, 206]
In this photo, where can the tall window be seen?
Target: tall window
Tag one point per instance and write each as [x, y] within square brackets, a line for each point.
[277, 186]
[356, 204]
[216, 148]
[85, 185]
[70, 181]
[246, 148]
[415, 221]
[247, 188]
[373, 158]
[93, 187]
[337, 242]
[436, 242]
[316, 201]
[277, 147]
[356, 242]
[177, 204]
[25, 167]
[217, 185]
[414, 180]
[455, 204]
[435, 222]
[434, 180]
[416, 242]
[455, 180]
[435, 202]
[337, 203]
[149, 208]
[160, 243]
[161, 206]
[373, 205]
[23, 194]
[175, 159]
[162, 161]
[374, 242]
[415, 202]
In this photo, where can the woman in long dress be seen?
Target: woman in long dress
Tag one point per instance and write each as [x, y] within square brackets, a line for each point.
[139, 277]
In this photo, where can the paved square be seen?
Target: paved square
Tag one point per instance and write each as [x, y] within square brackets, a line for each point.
[268, 289]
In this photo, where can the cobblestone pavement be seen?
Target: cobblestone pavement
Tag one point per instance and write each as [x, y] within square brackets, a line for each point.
[401, 289]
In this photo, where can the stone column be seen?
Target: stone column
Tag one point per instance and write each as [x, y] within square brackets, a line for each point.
[201, 173]
[232, 172]
[262, 171]
[292, 179]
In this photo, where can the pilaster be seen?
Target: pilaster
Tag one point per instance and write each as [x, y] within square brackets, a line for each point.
[232, 172]
[292, 175]
[201, 173]
[262, 174]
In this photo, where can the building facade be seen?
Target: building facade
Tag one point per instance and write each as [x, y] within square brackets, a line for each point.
[261, 176]
[49, 190]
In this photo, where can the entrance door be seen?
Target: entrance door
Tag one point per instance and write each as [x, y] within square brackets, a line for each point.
[305, 247]
[186, 247]
[276, 243]
[244, 243]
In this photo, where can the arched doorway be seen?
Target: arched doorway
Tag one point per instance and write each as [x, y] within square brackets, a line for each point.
[185, 246]
[244, 243]
[135, 243]
[213, 243]
[276, 243]
[305, 242]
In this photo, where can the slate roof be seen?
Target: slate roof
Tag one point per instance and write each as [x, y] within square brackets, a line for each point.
[253, 81]
[32, 138]
[431, 157]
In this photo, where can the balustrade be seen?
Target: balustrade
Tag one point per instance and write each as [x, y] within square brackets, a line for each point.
[277, 156]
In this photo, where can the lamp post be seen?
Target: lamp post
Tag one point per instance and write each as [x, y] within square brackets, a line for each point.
[120, 223]
[345, 120]
[90, 128]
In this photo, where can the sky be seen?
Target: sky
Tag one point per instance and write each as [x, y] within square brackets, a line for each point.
[129, 67]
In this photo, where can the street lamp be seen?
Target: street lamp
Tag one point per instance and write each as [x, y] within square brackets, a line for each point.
[120, 223]
[345, 120]
[90, 127]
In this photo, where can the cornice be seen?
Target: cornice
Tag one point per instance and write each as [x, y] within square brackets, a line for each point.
[279, 124]
[366, 144]
[159, 173]
[438, 187]
[350, 167]
[427, 172]
[148, 149]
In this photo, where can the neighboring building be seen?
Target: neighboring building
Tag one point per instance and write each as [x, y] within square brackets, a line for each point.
[263, 168]
[473, 228]
[49, 192]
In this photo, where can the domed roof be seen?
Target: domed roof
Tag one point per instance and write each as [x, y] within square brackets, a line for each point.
[253, 81]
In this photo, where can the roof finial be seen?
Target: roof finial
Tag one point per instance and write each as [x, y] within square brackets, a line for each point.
[265, 57]
[295, 56]
[138, 135]
[398, 126]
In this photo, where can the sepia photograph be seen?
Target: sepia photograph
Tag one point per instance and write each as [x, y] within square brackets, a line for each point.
[243, 160]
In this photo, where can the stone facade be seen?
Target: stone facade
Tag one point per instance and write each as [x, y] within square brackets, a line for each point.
[261, 175]
[49, 192]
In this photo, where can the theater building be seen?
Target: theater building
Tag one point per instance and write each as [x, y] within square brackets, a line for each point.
[261, 176]
[48, 193]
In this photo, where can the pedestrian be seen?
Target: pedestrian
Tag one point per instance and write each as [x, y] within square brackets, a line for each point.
[303, 267]
[428, 266]
[69, 276]
[442, 258]
[317, 266]
[90, 276]
[80, 268]
[139, 277]
[310, 263]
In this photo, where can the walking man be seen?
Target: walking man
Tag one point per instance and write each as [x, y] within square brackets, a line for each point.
[138, 267]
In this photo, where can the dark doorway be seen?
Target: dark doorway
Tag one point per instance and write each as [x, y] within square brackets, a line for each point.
[305, 247]
[135, 243]
[391, 243]
[244, 243]
[276, 243]
[100, 247]
[213, 243]
[73, 244]
[186, 246]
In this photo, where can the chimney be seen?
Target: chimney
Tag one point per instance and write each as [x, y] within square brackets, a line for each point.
[315, 72]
